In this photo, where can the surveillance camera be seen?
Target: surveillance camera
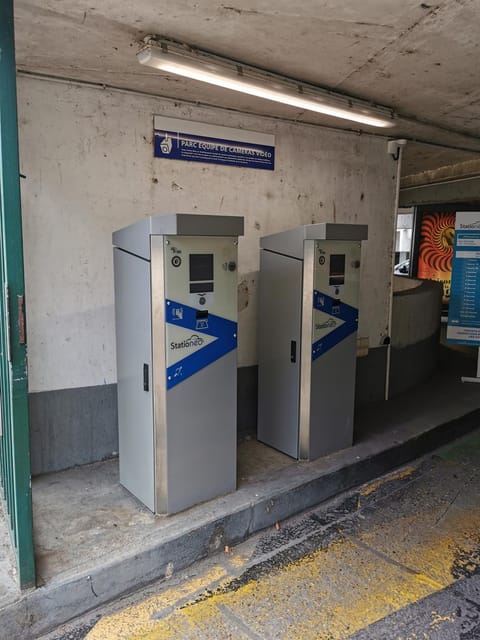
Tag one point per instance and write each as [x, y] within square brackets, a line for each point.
[393, 147]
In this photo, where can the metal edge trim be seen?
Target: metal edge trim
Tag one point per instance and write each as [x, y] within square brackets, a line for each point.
[160, 442]
[306, 350]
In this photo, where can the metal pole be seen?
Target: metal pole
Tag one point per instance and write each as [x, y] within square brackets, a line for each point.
[390, 308]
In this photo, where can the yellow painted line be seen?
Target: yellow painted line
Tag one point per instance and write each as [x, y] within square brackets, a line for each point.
[430, 549]
[138, 618]
[373, 486]
[329, 594]
[134, 619]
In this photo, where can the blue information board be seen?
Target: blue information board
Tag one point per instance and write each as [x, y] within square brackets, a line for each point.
[464, 311]
[196, 142]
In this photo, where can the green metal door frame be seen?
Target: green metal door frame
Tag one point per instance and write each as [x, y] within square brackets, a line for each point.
[14, 428]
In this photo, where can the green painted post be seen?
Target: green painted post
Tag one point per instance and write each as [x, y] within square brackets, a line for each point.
[14, 374]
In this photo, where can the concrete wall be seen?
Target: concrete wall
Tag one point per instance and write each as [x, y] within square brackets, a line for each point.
[416, 312]
[87, 156]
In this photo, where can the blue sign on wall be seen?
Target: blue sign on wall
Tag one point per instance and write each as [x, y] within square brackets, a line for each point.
[196, 142]
[464, 311]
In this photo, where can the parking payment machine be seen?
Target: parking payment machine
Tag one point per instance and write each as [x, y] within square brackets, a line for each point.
[308, 317]
[176, 336]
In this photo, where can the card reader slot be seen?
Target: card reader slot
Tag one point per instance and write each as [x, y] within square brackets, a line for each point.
[201, 287]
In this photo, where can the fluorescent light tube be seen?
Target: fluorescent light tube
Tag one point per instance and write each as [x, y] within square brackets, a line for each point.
[235, 78]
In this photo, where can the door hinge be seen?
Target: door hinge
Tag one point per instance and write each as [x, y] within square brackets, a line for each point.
[7, 323]
[21, 319]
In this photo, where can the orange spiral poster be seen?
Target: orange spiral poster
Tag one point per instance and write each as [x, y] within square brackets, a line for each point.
[436, 249]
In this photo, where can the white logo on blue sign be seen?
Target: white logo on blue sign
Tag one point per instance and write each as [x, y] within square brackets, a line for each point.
[166, 144]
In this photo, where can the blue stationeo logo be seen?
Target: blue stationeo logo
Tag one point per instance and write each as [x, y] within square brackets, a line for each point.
[338, 311]
[193, 341]
[225, 332]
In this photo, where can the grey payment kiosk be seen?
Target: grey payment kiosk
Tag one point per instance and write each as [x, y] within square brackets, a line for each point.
[176, 335]
[308, 317]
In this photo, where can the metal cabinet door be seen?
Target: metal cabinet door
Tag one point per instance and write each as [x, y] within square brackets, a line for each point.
[280, 309]
[134, 371]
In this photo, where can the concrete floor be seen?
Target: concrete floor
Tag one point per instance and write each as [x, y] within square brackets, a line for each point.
[95, 542]
[83, 514]
[8, 573]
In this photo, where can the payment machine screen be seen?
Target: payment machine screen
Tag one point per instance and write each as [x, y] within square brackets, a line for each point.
[337, 269]
[201, 272]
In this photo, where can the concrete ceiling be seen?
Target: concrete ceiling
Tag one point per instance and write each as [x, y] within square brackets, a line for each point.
[420, 58]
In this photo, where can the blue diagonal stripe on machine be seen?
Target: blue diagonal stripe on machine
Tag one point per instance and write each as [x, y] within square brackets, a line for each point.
[338, 310]
[223, 332]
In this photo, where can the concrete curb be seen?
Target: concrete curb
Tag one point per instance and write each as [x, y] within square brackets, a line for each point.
[226, 521]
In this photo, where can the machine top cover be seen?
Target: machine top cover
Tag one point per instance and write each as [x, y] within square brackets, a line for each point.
[290, 242]
[136, 237]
